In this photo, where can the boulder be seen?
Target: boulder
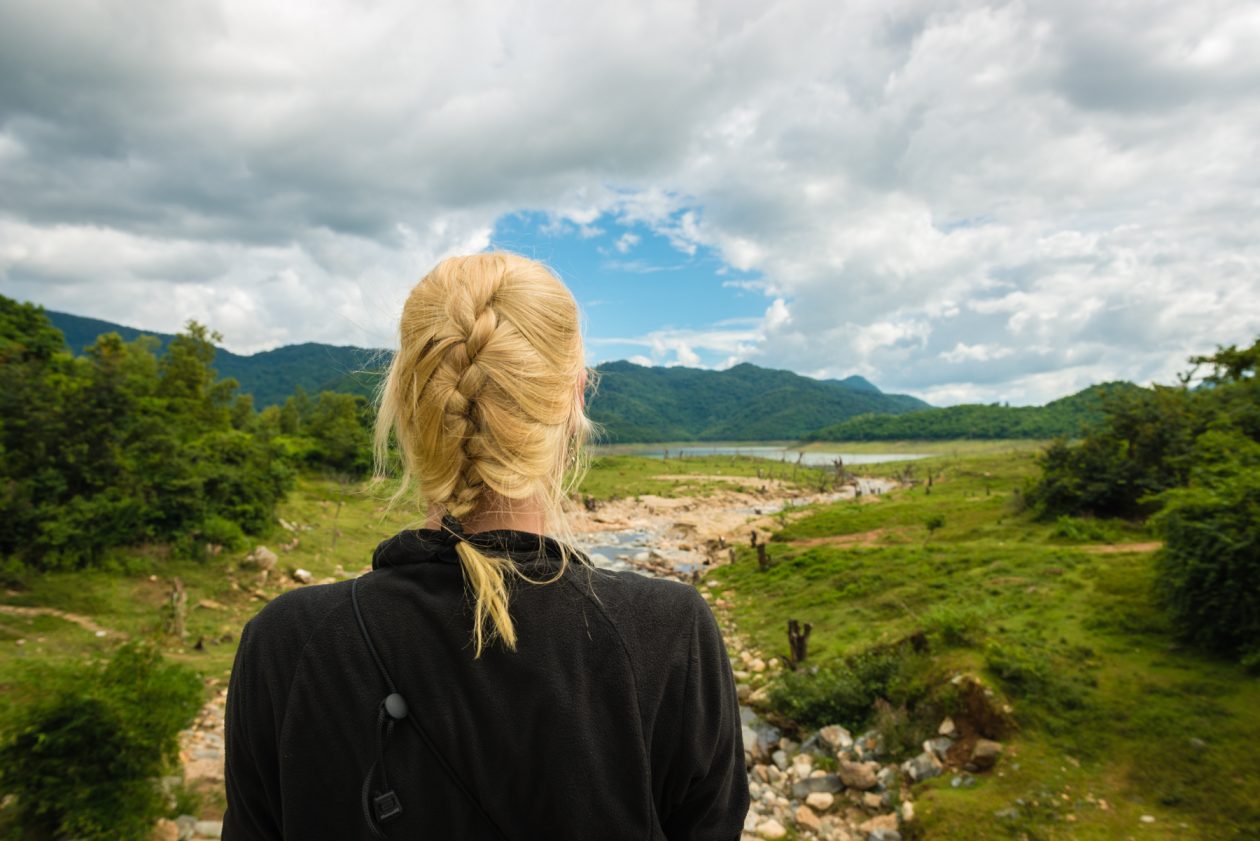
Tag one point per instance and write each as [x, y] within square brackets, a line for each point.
[922, 767]
[771, 829]
[858, 775]
[829, 783]
[303, 576]
[806, 819]
[836, 737]
[820, 800]
[262, 558]
[985, 754]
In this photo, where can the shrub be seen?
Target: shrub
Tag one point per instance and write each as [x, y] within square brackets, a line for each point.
[958, 624]
[83, 756]
[846, 692]
[1209, 569]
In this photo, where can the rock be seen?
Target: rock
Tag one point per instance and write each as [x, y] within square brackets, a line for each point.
[907, 811]
[1147, 819]
[829, 783]
[985, 753]
[166, 830]
[881, 827]
[806, 818]
[757, 665]
[187, 826]
[771, 829]
[744, 692]
[922, 767]
[939, 746]
[947, 727]
[884, 779]
[210, 604]
[210, 829]
[873, 801]
[303, 576]
[750, 741]
[820, 800]
[836, 737]
[779, 757]
[262, 558]
[858, 775]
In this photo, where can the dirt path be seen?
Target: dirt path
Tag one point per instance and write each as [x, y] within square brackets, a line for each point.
[865, 538]
[82, 621]
[1121, 548]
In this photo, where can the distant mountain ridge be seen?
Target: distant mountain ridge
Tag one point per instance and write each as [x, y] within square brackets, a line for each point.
[270, 375]
[1066, 417]
[633, 403]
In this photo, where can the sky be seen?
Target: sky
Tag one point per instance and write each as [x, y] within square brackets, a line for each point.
[964, 201]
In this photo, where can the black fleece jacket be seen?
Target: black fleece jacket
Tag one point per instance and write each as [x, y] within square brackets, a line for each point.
[616, 717]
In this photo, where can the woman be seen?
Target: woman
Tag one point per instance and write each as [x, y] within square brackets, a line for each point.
[484, 681]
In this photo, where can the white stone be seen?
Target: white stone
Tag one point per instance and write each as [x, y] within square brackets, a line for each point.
[771, 829]
[820, 800]
[947, 727]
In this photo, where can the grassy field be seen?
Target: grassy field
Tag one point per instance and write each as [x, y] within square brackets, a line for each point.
[1057, 616]
[1114, 720]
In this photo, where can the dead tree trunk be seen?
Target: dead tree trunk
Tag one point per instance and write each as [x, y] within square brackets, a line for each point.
[178, 607]
[763, 558]
[798, 642]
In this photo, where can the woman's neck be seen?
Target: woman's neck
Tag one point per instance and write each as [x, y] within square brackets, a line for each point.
[496, 513]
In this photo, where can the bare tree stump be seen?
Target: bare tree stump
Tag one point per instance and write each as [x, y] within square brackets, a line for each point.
[178, 606]
[763, 558]
[798, 642]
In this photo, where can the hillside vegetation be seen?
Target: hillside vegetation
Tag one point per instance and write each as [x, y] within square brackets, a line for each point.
[1068, 417]
[1110, 717]
[745, 403]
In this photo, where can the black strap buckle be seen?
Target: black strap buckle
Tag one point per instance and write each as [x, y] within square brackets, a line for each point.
[387, 806]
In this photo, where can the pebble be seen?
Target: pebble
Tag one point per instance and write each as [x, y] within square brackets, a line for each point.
[771, 829]
[820, 800]
[806, 818]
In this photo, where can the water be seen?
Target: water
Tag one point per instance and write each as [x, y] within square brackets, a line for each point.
[813, 458]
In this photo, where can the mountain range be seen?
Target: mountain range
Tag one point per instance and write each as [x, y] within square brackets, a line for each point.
[635, 403]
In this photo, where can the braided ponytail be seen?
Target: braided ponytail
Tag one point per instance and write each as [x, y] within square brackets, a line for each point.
[483, 400]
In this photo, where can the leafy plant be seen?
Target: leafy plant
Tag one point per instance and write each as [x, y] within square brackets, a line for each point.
[83, 756]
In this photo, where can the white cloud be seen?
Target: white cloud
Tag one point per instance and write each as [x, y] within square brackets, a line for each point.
[967, 200]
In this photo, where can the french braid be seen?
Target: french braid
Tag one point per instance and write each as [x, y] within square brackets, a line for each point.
[483, 399]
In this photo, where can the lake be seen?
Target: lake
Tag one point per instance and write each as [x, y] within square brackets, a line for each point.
[813, 458]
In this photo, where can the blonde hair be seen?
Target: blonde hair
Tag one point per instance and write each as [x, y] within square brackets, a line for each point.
[484, 401]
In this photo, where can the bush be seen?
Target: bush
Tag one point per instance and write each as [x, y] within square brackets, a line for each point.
[83, 757]
[846, 692]
[1209, 569]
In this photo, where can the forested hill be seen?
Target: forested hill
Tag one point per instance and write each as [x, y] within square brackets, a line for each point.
[269, 376]
[633, 403]
[636, 403]
[1066, 418]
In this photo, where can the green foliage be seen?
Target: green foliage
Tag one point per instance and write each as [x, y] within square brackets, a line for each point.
[1191, 458]
[934, 522]
[1209, 569]
[958, 624]
[117, 448]
[82, 756]
[269, 376]
[846, 692]
[1068, 417]
[744, 403]
[1141, 448]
